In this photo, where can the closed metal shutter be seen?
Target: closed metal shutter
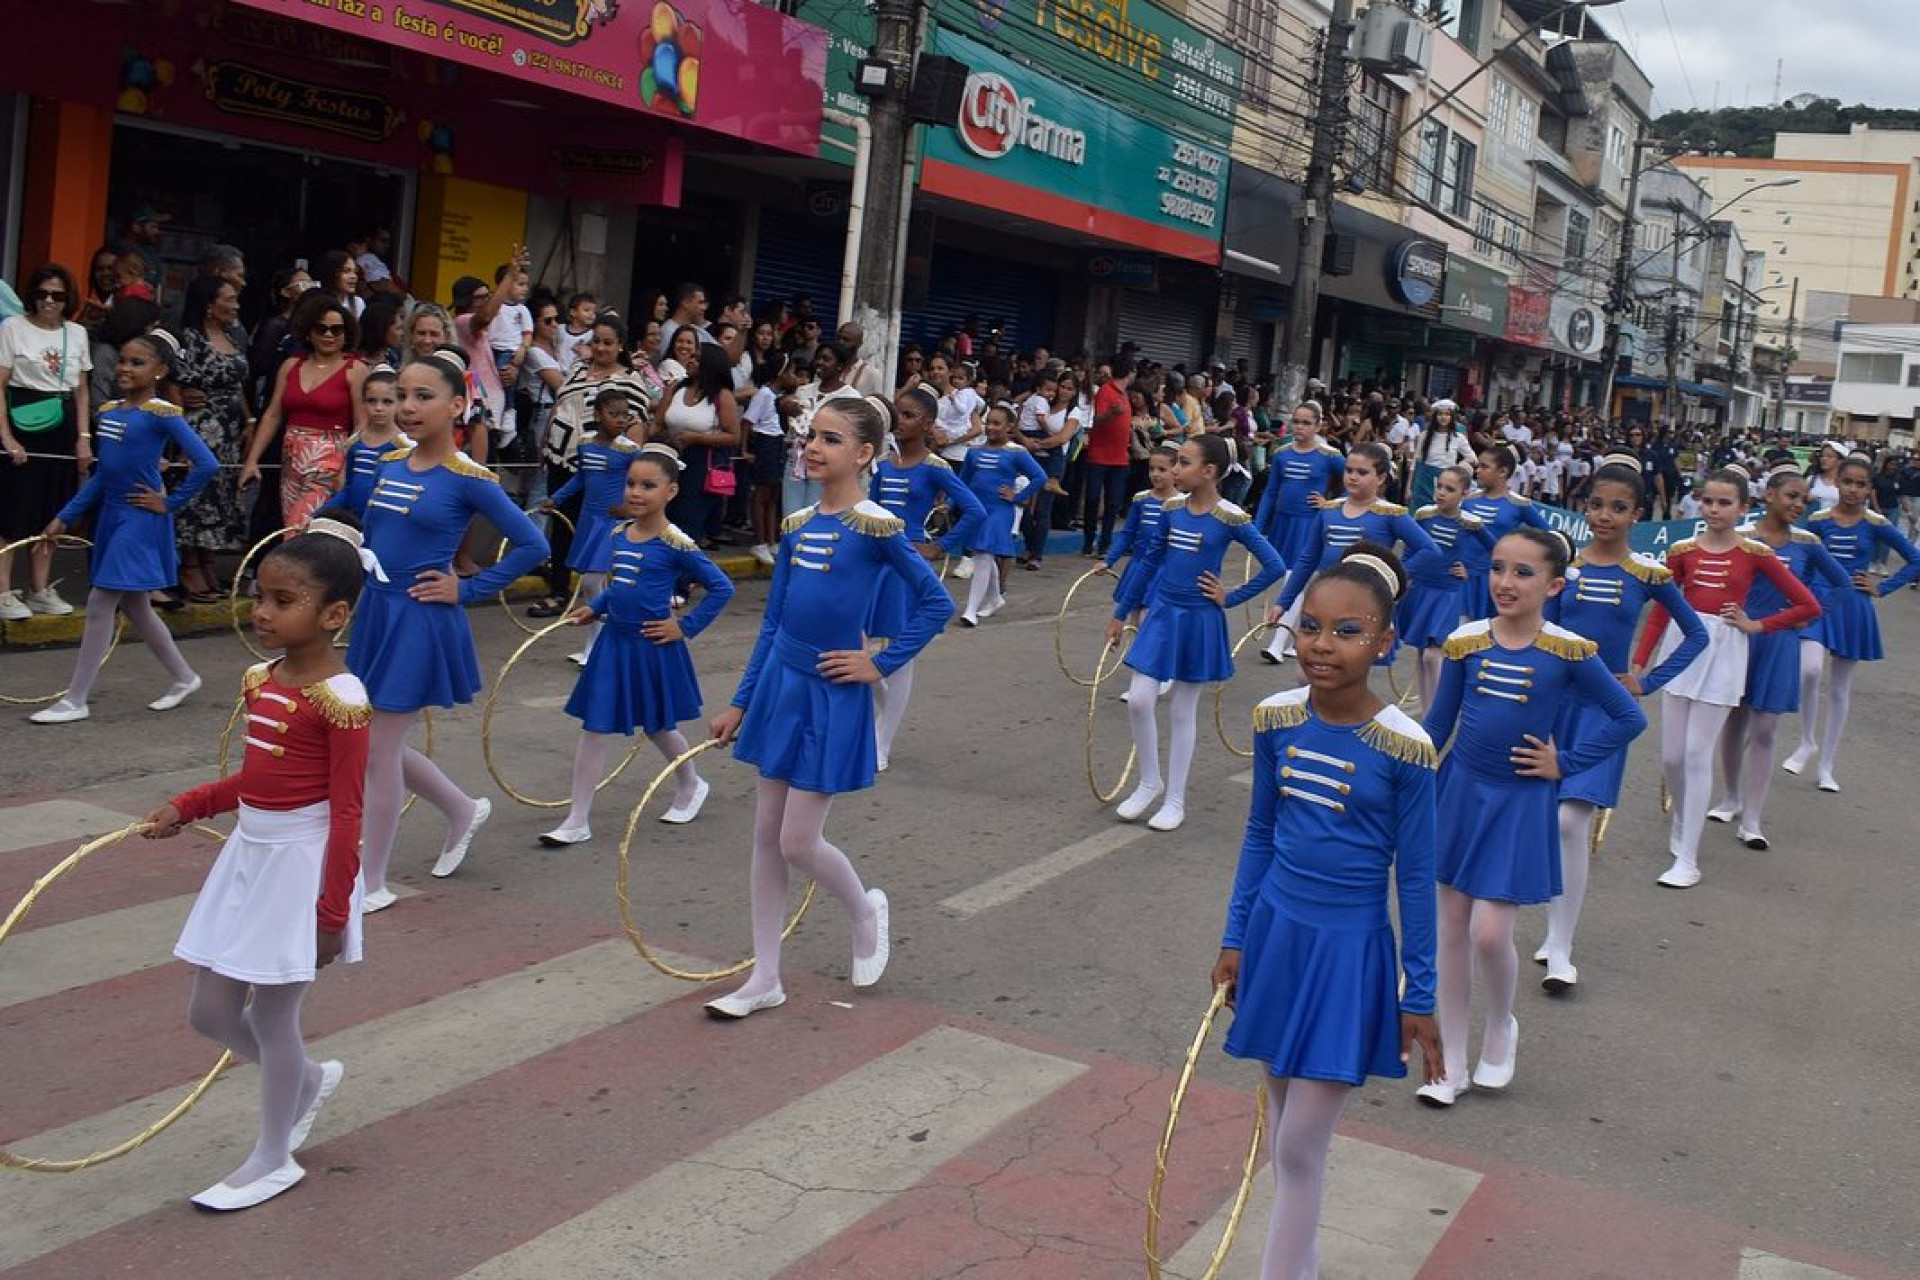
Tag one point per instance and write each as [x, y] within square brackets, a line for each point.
[1367, 361]
[1017, 296]
[1443, 381]
[798, 255]
[1167, 329]
[1253, 342]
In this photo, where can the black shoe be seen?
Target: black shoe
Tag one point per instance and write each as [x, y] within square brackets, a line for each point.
[551, 607]
[1269, 659]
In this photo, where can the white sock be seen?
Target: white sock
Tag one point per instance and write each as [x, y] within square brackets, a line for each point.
[980, 585]
[1563, 913]
[1141, 696]
[1839, 703]
[1183, 717]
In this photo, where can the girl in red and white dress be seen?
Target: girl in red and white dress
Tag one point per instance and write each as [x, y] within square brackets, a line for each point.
[1714, 571]
[283, 899]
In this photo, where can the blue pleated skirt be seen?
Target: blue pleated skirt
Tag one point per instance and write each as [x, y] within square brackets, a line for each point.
[1476, 595]
[1316, 1002]
[1598, 785]
[1291, 533]
[632, 683]
[411, 655]
[996, 534]
[1183, 642]
[1849, 627]
[133, 549]
[1427, 615]
[1773, 672]
[804, 730]
[1497, 839]
[592, 549]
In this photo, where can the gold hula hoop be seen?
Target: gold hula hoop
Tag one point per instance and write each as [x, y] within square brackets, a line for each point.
[486, 728]
[1101, 671]
[634, 934]
[1160, 1154]
[572, 600]
[1220, 692]
[1059, 629]
[119, 624]
[46, 1164]
[1600, 825]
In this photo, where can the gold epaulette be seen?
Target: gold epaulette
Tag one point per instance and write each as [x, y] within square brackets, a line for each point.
[398, 453]
[1286, 710]
[1398, 743]
[1755, 547]
[1382, 507]
[461, 465]
[1228, 514]
[1519, 500]
[111, 404]
[1682, 547]
[1324, 447]
[256, 675]
[937, 462]
[1821, 515]
[678, 540]
[1874, 517]
[1431, 509]
[164, 408]
[1177, 500]
[1475, 637]
[1648, 571]
[1561, 643]
[338, 711]
[872, 519]
[1145, 495]
[1801, 535]
[623, 445]
[797, 519]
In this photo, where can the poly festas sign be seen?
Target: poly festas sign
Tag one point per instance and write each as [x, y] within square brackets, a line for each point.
[1027, 144]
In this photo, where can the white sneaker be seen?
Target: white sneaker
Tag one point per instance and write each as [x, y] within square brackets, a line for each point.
[61, 712]
[449, 861]
[175, 695]
[1680, 876]
[1139, 802]
[1171, 815]
[46, 600]
[764, 554]
[378, 900]
[963, 570]
[1725, 813]
[679, 815]
[13, 608]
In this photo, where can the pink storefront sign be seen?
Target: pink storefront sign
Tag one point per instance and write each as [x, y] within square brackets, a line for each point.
[731, 67]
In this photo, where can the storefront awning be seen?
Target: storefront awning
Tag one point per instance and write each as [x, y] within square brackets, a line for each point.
[1370, 260]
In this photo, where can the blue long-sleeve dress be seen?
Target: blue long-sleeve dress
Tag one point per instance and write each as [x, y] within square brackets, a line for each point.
[600, 476]
[410, 654]
[359, 472]
[1184, 634]
[1773, 657]
[133, 548]
[1285, 517]
[1498, 834]
[1848, 625]
[630, 682]
[1434, 604]
[910, 493]
[1335, 809]
[1144, 514]
[986, 470]
[1383, 522]
[800, 728]
[1603, 603]
[1500, 516]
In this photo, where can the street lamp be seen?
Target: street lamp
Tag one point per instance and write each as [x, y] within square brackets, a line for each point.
[1498, 54]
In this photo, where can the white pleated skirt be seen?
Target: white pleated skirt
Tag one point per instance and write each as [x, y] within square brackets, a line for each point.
[254, 920]
[1719, 674]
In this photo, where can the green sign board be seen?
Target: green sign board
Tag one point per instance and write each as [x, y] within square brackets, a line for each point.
[1128, 51]
[1474, 298]
[1031, 145]
[849, 29]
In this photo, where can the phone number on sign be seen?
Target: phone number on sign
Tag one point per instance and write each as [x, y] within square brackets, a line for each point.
[1187, 209]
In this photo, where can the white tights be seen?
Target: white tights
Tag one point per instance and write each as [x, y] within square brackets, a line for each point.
[1303, 1114]
[1839, 703]
[98, 638]
[984, 587]
[1746, 764]
[590, 765]
[393, 769]
[1431, 662]
[591, 585]
[1475, 935]
[890, 698]
[789, 834]
[1813, 663]
[1183, 716]
[1563, 913]
[1689, 738]
[264, 1031]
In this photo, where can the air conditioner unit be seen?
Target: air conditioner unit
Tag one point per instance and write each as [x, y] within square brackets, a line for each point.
[1391, 41]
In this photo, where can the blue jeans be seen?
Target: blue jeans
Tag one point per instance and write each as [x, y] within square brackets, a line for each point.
[1039, 519]
[1101, 482]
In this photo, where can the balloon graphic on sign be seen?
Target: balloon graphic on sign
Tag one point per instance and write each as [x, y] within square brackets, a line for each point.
[670, 50]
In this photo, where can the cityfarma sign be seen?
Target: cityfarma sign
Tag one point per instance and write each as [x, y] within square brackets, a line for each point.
[995, 119]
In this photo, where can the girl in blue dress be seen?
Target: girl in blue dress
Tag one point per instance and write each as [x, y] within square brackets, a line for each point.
[381, 436]
[411, 645]
[1183, 638]
[1301, 479]
[1507, 682]
[600, 478]
[1343, 794]
[993, 472]
[1773, 657]
[640, 675]
[1434, 606]
[1608, 590]
[133, 544]
[909, 484]
[1363, 516]
[1848, 630]
[1502, 511]
[802, 715]
[1143, 519]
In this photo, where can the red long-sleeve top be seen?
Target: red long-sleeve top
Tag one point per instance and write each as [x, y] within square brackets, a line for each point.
[1711, 580]
[302, 746]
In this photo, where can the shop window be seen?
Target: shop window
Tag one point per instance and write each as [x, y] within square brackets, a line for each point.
[1376, 118]
[1913, 376]
[1876, 368]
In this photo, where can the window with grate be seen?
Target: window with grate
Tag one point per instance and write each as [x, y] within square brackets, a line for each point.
[1428, 166]
[1250, 27]
[1376, 120]
[1500, 95]
[1456, 189]
[1526, 121]
[1578, 227]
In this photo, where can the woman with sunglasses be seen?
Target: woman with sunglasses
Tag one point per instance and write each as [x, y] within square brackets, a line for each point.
[44, 361]
[316, 399]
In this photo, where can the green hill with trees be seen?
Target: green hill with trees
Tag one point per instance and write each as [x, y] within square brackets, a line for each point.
[1749, 131]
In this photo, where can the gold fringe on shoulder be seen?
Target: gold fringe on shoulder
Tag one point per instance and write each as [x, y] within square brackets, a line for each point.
[1458, 647]
[1874, 517]
[1399, 745]
[1682, 547]
[397, 453]
[1801, 535]
[1820, 515]
[1429, 510]
[872, 526]
[1177, 500]
[164, 408]
[796, 520]
[623, 445]
[937, 462]
[1228, 514]
[1755, 547]
[1654, 575]
[461, 465]
[1285, 715]
[255, 676]
[678, 540]
[1382, 507]
[339, 713]
[1519, 500]
[1570, 648]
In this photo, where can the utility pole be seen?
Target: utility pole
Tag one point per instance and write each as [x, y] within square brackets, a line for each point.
[1787, 358]
[1620, 295]
[876, 289]
[1672, 405]
[1316, 213]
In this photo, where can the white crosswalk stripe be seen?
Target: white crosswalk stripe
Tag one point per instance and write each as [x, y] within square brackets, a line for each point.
[56, 822]
[1756, 1265]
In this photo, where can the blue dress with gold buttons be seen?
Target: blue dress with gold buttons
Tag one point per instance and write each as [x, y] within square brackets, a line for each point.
[801, 728]
[1184, 634]
[133, 548]
[600, 475]
[910, 493]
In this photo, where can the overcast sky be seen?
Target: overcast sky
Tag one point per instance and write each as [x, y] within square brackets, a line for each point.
[1837, 50]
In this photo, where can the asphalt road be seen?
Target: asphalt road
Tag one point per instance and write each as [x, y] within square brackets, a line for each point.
[1736, 1050]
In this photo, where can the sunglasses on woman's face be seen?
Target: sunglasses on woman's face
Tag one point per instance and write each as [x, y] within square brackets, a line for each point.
[328, 331]
[49, 295]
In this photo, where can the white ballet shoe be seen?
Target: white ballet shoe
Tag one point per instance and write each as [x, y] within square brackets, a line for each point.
[680, 815]
[969, 620]
[561, 837]
[1495, 1076]
[1443, 1093]
[1723, 813]
[964, 569]
[456, 854]
[867, 971]
[225, 1199]
[1171, 815]
[172, 698]
[1755, 841]
[1680, 875]
[1828, 784]
[1540, 956]
[61, 712]
[880, 764]
[331, 1073]
[1560, 981]
[993, 606]
[1799, 760]
[378, 900]
[578, 659]
[1139, 802]
[733, 1007]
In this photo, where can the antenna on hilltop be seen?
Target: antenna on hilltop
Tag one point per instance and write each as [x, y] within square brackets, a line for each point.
[1779, 73]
